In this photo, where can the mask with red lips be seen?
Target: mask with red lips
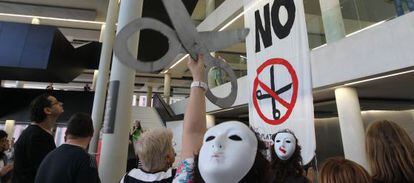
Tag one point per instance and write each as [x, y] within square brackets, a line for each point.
[285, 145]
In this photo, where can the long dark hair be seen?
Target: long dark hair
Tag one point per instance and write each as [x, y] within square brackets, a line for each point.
[390, 152]
[257, 174]
[282, 169]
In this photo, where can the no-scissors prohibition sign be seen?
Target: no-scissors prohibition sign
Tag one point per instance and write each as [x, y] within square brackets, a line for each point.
[273, 94]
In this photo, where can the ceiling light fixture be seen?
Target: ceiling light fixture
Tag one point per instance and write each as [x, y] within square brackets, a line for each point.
[50, 18]
[321, 46]
[239, 15]
[35, 21]
[379, 77]
[358, 31]
[176, 63]
[222, 110]
[232, 21]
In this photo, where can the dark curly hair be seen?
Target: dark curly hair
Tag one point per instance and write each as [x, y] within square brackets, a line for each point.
[37, 106]
[3, 134]
[257, 174]
[282, 169]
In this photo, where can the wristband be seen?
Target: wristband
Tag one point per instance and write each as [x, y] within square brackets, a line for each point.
[199, 84]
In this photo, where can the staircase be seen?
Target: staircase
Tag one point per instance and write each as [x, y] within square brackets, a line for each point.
[148, 116]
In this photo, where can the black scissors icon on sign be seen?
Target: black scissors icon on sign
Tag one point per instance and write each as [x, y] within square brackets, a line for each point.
[260, 96]
[184, 39]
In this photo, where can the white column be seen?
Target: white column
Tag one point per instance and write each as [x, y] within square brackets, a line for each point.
[101, 36]
[9, 128]
[167, 87]
[134, 100]
[115, 145]
[351, 124]
[149, 95]
[95, 78]
[102, 79]
[333, 22]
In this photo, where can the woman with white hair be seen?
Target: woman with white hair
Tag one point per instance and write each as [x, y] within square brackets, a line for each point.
[156, 154]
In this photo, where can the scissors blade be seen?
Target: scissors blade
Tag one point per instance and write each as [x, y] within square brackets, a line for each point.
[215, 41]
[186, 30]
[284, 89]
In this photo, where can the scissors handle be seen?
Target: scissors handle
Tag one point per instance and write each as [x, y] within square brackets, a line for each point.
[229, 100]
[276, 114]
[123, 54]
[188, 39]
[192, 42]
[259, 94]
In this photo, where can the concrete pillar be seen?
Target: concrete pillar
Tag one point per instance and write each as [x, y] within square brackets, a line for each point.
[167, 87]
[95, 78]
[9, 128]
[101, 36]
[333, 22]
[210, 6]
[134, 100]
[149, 95]
[102, 79]
[351, 124]
[115, 145]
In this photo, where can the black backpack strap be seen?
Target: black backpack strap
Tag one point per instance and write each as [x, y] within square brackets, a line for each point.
[174, 171]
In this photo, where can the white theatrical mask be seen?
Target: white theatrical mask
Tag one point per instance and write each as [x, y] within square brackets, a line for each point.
[285, 145]
[228, 153]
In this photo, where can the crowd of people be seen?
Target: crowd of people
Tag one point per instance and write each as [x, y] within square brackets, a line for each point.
[229, 152]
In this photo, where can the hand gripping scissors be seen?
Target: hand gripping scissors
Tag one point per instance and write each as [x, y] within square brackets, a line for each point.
[185, 39]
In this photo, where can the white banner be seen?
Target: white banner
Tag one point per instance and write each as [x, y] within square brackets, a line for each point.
[278, 65]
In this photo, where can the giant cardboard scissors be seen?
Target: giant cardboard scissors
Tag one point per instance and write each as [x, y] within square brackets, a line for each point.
[185, 39]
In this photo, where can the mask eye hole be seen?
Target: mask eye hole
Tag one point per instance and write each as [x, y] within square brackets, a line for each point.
[210, 138]
[288, 141]
[277, 141]
[235, 137]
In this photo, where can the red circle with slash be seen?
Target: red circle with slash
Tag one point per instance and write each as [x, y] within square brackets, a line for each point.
[288, 105]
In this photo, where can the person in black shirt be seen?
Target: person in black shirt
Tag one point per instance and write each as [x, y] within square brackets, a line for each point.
[70, 162]
[36, 141]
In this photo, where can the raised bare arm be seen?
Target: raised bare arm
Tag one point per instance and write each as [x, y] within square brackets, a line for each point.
[194, 125]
